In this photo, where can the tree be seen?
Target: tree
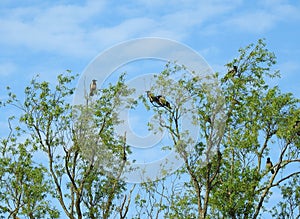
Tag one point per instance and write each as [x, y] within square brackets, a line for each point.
[223, 129]
[23, 184]
[62, 133]
[260, 121]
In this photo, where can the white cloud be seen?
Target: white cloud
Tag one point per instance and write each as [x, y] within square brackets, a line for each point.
[83, 30]
[255, 22]
[123, 31]
[57, 29]
[77, 31]
[266, 15]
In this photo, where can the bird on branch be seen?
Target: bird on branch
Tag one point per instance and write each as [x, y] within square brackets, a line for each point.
[163, 102]
[152, 98]
[231, 73]
[297, 127]
[93, 87]
[269, 165]
[158, 101]
[124, 157]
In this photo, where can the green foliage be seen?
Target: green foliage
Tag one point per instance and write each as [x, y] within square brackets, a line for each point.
[259, 120]
[61, 134]
[288, 207]
[24, 185]
[223, 132]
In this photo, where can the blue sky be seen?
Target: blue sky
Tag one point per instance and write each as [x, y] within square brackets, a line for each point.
[48, 37]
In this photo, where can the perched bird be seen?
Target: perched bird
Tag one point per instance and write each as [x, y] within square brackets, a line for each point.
[152, 97]
[297, 127]
[93, 87]
[231, 73]
[124, 157]
[269, 165]
[163, 102]
[159, 100]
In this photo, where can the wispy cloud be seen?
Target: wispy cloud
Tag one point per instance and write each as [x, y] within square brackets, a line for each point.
[264, 16]
[57, 28]
[80, 30]
[255, 22]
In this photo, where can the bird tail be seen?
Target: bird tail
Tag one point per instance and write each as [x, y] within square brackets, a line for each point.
[168, 105]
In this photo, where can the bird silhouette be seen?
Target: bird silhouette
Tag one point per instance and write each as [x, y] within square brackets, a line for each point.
[269, 165]
[93, 87]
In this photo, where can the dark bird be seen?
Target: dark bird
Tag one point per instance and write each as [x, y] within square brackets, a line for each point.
[159, 100]
[163, 102]
[234, 70]
[297, 127]
[269, 165]
[124, 157]
[152, 97]
[231, 73]
[93, 87]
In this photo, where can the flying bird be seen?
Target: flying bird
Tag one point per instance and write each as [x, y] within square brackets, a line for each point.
[269, 165]
[93, 87]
